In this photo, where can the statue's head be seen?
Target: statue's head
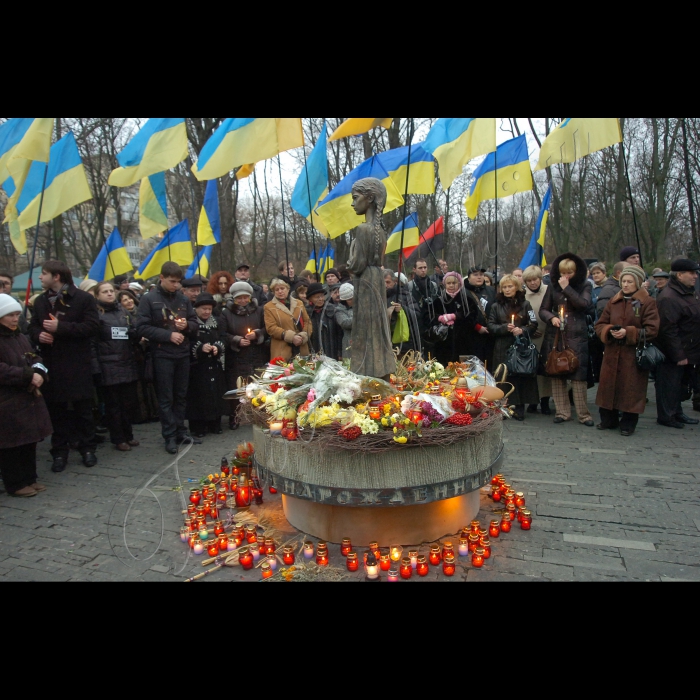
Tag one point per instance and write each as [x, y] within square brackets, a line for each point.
[374, 191]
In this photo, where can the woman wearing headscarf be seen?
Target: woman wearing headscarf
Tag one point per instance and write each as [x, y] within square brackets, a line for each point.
[623, 386]
[456, 315]
[568, 297]
[246, 340]
[509, 316]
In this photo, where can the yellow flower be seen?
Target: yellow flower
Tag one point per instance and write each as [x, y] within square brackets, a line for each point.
[385, 421]
[401, 439]
[407, 421]
[396, 430]
[387, 409]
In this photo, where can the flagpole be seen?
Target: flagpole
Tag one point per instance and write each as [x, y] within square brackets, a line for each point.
[284, 223]
[36, 240]
[405, 203]
[495, 187]
[634, 215]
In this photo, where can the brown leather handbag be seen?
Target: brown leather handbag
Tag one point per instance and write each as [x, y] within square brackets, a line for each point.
[561, 361]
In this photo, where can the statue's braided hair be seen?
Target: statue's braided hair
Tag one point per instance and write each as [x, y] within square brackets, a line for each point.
[375, 188]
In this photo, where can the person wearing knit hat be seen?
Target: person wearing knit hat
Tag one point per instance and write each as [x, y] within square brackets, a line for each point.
[237, 289]
[630, 254]
[23, 414]
[347, 291]
[87, 285]
[623, 385]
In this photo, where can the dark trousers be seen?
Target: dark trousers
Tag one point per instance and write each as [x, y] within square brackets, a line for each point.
[121, 407]
[171, 379]
[611, 419]
[18, 467]
[72, 423]
[671, 384]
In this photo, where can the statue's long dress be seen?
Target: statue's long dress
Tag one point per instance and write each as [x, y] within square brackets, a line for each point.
[372, 353]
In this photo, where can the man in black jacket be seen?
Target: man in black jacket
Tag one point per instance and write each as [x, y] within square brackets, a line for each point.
[610, 288]
[63, 324]
[242, 274]
[167, 320]
[679, 340]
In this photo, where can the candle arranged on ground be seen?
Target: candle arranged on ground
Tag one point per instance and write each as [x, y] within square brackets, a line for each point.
[203, 534]
[352, 562]
[520, 499]
[463, 547]
[384, 562]
[198, 547]
[473, 542]
[447, 548]
[448, 565]
[422, 566]
[393, 575]
[505, 522]
[218, 527]
[288, 555]
[322, 557]
[266, 570]
[495, 478]
[478, 557]
[510, 509]
[245, 558]
[272, 561]
[485, 544]
[406, 568]
[526, 522]
[251, 534]
[213, 548]
[222, 541]
[345, 546]
[494, 528]
[276, 428]
[254, 548]
[308, 549]
[435, 557]
[232, 544]
[372, 567]
[184, 533]
[413, 556]
[395, 551]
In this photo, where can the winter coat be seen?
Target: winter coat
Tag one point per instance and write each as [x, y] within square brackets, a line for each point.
[205, 393]
[623, 386]
[327, 336]
[576, 300]
[481, 344]
[679, 335]
[283, 323]
[23, 416]
[458, 334]
[412, 314]
[244, 361]
[114, 346]
[500, 315]
[68, 359]
[607, 291]
[544, 383]
[343, 317]
[156, 322]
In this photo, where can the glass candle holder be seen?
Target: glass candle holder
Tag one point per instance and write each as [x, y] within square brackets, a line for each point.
[191, 510]
[435, 557]
[504, 489]
[413, 556]
[384, 562]
[198, 547]
[473, 542]
[393, 575]
[214, 511]
[272, 561]
[345, 546]
[308, 549]
[485, 544]
[232, 544]
[195, 496]
[270, 545]
[478, 557]
[372, 568]
[520, 499]
[272, 489]
[422, 567]
[351, 561]
[374, 548]
[406, 568]
[496, 494]
[207, 508]
[193, 539]
[240, 532]
[474, 527]
[322, 557]
[222, 541]
[483, 532]
[218, 528]
[184, 533]
[447, 548]
[448, 565]
[251, 534]
[201, 515]
[266, 571]
[494, 529]
[501, 483]
[203, 534]
[263, 546]
[510, 509]
[243, 495]
[463, 547]
[254, 548]
[395, 552]
[505, 523]
[288, 555]
[245, 558]
[191, 524]
[526, 522]
[234, 484]
[221, 495]
[495, 478]
[213, 548]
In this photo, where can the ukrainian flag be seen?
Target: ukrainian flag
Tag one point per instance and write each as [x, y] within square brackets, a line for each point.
[312, 185]
[209, 226]
[421, 179]
[325, 260]
[456, 141]
[176, 246]
[160, 145]
[354, 127]
[534, 255]
[335, 210]
[153, 206]
[112, 260]
[22, 138]
[576, 138]
[246, 140]
[244, 171]
[411, 234]
[501, 174]
[201, 263]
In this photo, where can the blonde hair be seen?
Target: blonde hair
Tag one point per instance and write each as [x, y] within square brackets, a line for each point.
[532, 272]
[276, 283]
[567, 267]
[509, 279]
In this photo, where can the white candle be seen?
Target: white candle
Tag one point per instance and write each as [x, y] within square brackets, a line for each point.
[392, 576]
[272, 561]
[463, 550]
[198, 548]
[414, 559]
[308, 550]
[372, 571]
[231, 546]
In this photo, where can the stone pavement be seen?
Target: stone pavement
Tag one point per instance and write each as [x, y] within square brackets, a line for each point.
[605, 508]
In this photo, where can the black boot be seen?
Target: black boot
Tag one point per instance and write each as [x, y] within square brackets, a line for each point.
[532, 408]
[232, 424]
[519, 412]
[544, 406]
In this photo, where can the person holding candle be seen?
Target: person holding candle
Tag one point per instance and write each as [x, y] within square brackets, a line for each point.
[569, 295]
[509, 317]
[623, 386]
[243, 326]
[534, 294]
[286, 322]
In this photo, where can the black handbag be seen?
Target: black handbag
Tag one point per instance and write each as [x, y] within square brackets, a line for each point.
[522, 357]
[648, 356]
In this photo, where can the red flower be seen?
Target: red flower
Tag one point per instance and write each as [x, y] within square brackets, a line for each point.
[459, 419]
[351, 433]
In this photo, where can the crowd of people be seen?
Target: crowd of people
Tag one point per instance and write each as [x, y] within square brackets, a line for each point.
[105, 356]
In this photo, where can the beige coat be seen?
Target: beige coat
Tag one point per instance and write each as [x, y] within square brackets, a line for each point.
[280, 325]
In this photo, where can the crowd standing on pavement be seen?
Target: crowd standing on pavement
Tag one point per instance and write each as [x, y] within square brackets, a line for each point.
[90, 362]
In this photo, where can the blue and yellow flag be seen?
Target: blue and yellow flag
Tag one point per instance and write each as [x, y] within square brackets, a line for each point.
[201, 263]
[335, 210]
[312, 185]
[421, 178]
[153, 206]
[325, 260]
[246, 140]
[209, 226]
[456, 141]
[244, 171]
[354, 127]
[411, 234]
[112, 260]
[501, 174]
[160, 145]
[534, 255]
[176, 246]
[576, 138]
